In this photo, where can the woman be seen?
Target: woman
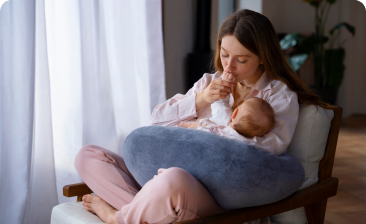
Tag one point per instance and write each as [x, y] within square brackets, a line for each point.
[247, 46]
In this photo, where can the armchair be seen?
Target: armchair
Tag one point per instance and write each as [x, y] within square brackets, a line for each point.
[315, 125]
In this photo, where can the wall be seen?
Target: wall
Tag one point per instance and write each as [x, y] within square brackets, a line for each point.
[256, 5]
[179, 31]
[352, 94]
[296, 16]
[289, 15]
[178, 42]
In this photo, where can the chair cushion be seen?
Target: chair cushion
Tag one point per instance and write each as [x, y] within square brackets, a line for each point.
[308, 146]
[236, 174]
[73, 213]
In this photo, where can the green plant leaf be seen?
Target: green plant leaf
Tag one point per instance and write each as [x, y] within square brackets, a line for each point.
[297, 61]
[331, 1]
[349, 27]
[291, 40]
[334, 67]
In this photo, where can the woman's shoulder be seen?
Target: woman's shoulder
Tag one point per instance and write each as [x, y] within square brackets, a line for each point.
[279, 88]
[273, 87]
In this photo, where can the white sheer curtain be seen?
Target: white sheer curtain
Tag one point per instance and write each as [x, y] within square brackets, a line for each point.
[72, 72]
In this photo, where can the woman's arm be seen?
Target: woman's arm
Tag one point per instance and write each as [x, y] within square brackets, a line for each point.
[181, 107]
[175, 110]
[200, 101]
[217, 89]
[185, 107]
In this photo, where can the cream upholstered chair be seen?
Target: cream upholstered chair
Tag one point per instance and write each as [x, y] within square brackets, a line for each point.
[313, 144]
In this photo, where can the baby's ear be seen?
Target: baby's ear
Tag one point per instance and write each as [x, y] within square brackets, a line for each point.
[235, 113]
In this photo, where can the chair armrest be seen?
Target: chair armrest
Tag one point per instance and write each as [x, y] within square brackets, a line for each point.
[323, 190]
[78, 190]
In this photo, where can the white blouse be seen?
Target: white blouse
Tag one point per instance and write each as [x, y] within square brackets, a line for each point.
[283, 101]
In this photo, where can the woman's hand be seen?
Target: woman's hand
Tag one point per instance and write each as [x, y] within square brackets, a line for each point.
[191, 125]
[218, 89]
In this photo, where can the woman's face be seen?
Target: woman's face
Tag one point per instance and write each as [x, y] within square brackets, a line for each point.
[235, 58]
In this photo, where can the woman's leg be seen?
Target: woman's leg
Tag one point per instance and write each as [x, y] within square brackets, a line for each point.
[172, 195]
[107, 175]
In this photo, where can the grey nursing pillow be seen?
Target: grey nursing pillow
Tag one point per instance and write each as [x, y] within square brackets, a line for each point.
[236, 174]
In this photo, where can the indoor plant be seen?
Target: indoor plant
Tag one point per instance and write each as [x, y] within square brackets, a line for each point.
[326, 51]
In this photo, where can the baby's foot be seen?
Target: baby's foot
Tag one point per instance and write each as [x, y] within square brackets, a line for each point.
[102, 209]
[228, 76]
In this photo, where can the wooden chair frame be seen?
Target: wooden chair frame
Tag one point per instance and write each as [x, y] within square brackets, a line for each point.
[313, 198]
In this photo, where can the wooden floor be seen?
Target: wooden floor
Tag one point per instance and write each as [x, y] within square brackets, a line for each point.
[349, 205]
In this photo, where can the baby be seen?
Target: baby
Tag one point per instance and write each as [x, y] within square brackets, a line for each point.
[254, 117]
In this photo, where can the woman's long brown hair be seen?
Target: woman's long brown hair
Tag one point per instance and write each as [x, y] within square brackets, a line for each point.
[256, 33]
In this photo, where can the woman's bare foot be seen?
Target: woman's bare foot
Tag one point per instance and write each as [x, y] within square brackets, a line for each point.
[98, 206]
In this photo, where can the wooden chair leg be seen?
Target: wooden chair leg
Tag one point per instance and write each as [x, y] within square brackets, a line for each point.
[79, 198]
[316, 212]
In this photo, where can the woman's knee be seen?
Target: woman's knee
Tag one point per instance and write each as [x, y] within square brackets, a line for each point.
[176, 180]
[183, 185]
[83, 156]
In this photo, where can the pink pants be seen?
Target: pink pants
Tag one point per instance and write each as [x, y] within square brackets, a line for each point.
[173, 194]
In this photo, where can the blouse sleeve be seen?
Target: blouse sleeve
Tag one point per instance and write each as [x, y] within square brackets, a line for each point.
[180, 107]
[221, 111]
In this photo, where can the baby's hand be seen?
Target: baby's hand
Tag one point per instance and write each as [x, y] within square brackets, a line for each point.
[227, 76]
[191, 125]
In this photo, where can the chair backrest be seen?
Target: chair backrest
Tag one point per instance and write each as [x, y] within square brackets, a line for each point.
[310, 139]
[326, 163]
[314, 145]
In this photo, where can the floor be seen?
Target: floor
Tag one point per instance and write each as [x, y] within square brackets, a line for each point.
[349, 205]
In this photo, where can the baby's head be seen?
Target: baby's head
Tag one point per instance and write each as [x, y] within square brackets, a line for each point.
[254, 117]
